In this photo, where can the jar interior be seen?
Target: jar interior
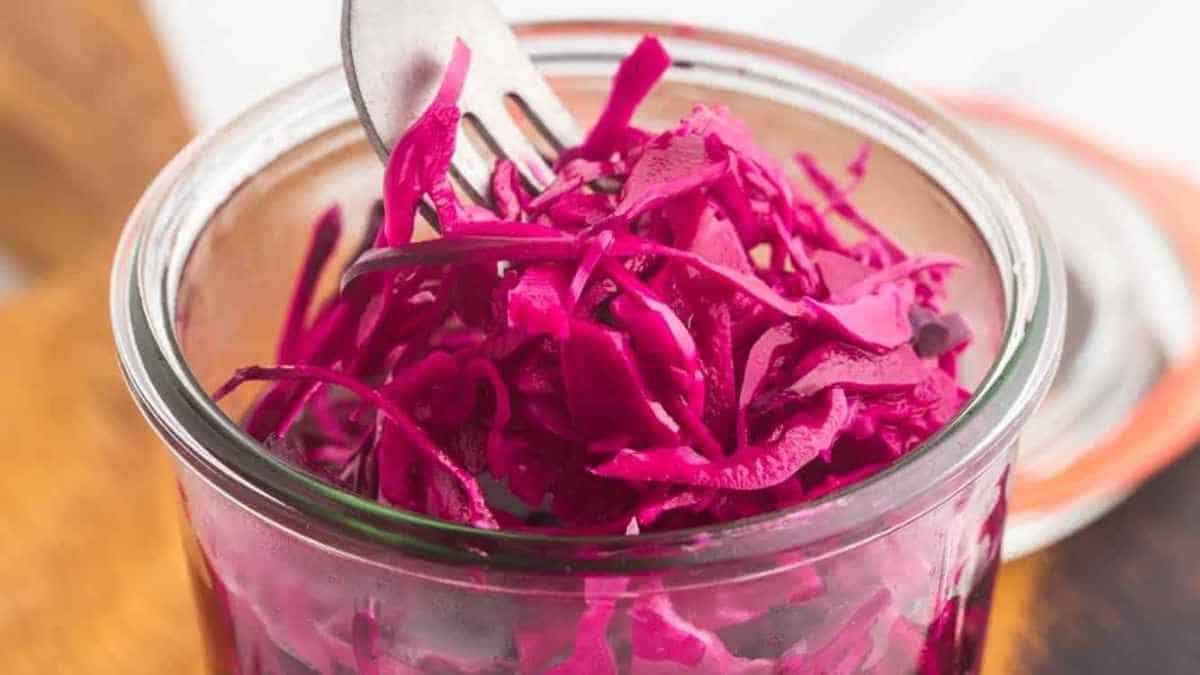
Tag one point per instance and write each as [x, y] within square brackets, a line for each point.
[237, 282]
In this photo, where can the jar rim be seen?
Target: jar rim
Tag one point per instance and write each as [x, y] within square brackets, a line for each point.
[202, 436]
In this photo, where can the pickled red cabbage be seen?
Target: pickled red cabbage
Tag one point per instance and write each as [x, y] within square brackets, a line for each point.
[670, 335]
[700, 326]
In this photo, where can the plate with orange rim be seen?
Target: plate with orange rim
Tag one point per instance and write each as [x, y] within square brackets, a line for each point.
[1126, 400]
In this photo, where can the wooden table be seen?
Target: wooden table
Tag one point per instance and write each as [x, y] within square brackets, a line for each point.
[92, 577]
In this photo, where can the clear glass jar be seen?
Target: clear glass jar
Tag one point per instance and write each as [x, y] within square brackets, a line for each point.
[892, 575]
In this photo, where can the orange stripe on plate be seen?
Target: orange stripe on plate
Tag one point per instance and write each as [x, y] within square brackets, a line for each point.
[1166, 423]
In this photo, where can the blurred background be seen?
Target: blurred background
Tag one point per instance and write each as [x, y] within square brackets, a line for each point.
[1109, 67]
[95, 95]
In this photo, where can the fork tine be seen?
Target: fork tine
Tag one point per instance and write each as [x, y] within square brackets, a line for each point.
[471, 170]
[547, 112]
[499, 128]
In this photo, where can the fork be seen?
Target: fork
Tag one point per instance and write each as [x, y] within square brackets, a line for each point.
[394, 52]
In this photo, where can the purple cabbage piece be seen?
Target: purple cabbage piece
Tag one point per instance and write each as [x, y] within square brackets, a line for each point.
[592, 654]
[634, 79]
[798, 441]
[421, 157]
[854, 369]
[606, 391]
[663, 641]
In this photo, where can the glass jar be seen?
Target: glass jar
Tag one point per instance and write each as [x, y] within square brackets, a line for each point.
[892, 575]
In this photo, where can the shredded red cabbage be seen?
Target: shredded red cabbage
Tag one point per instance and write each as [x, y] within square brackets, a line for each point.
[668, 336]
[642, 343]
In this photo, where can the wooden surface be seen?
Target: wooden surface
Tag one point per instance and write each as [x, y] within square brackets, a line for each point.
[92, 577]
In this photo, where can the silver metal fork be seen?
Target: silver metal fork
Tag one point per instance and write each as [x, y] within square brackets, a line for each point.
[394, 53]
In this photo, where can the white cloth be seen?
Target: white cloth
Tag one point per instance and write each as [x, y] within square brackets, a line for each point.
[1121, 71]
